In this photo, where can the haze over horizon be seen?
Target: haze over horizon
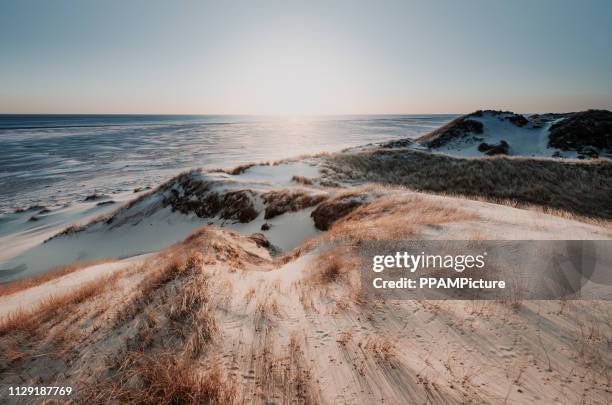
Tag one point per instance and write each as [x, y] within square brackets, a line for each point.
[289, 58]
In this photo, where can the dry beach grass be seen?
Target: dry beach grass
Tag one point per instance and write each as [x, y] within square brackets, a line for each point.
[580, 187]
[53, 274]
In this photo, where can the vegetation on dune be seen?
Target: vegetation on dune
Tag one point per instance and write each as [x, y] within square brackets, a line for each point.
[328, 212]
[281, 201]
[144, 344]
[456, 129]
[393, 217]
[51, 274]
[582, 131]
[583, 188]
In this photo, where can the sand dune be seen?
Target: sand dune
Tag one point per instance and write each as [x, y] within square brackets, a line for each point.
[217, 319]
[249, 289]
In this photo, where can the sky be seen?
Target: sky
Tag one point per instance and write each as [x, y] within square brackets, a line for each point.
[307, 57]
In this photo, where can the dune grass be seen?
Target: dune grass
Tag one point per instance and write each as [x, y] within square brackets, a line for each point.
[334, 265]
[279, 202]
[50, 275]
[30, 321]
[579, 187]
[164, 379]
[393, 218]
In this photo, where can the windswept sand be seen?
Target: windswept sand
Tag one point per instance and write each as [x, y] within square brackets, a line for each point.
[217, 319]
[34, 296]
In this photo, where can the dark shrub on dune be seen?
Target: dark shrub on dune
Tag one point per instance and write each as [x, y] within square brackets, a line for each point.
[30, 208]
[494, 149]
[456, 129]
[592, 128]
[518, 120]
[93, 197]
[328, 212]
[238, 205]
[282, 201]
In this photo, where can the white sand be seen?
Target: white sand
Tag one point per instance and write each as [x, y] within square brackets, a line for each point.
[523, 141]
[31, 297]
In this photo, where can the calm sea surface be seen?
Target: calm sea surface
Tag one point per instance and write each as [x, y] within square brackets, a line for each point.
[57, 159]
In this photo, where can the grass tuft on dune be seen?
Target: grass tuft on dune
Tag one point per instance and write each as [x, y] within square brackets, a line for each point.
[580, 187]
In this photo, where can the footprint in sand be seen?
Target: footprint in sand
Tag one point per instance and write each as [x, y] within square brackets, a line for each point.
[506, 352]
[324, 336]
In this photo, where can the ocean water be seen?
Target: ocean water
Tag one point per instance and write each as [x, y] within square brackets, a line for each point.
[54, 160]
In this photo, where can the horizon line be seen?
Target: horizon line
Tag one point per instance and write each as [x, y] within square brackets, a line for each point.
[280, 114]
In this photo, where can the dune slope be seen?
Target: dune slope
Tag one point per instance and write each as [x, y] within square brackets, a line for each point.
[218, 319]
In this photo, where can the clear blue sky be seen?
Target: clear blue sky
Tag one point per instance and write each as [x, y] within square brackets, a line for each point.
[310, 57]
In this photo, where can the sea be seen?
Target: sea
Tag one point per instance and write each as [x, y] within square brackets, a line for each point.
[54, 160]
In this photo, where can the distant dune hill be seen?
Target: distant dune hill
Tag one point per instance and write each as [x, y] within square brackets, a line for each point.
[586, 134]
[586, 129]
